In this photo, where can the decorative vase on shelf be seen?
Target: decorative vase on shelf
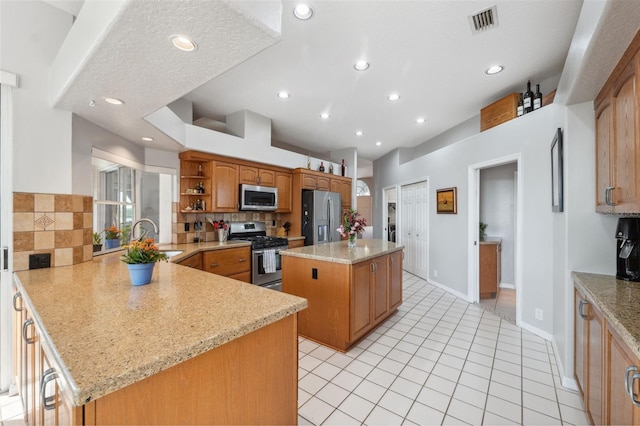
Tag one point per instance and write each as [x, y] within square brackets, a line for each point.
[140, 273]
[111, 244]
[351, 242]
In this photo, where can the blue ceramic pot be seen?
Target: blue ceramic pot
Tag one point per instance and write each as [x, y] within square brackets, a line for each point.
[140, 273]
[111, 244]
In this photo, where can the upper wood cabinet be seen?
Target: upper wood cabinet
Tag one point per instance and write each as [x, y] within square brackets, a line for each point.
[618, 136]
[195, 184]
[256, 176]
[283, 183]
[225, 187]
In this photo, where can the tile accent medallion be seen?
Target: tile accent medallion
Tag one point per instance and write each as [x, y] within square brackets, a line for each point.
[59, 224]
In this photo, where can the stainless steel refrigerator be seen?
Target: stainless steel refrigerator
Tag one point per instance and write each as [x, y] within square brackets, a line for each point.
[321, 216]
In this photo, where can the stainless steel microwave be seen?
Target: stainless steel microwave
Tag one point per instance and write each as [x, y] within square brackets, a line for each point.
[260, 198]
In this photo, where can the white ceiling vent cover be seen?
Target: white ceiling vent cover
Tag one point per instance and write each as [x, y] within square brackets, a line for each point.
[484, 20]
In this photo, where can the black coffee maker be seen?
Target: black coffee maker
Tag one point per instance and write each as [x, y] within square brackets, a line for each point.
[628, 236]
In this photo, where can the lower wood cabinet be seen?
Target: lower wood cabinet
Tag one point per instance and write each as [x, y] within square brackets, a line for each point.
[489, 268]
[346, 301]
[233, 262]
[604, 366]
[193, 261]
[296, 243]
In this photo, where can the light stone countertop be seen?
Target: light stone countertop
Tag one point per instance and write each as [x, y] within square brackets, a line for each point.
[619, 302]
[107, 334]
[339, 252]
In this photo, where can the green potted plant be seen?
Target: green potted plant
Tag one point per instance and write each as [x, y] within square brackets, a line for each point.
[141, 257]
[112, 237]
[97, 242]
[483, 234]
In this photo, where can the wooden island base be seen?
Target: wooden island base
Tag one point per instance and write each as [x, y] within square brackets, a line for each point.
[346, 301]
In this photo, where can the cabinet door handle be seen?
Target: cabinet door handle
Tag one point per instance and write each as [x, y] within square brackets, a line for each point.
[48, 402]
[242, 259]
[214, 265]
[627, 379]
[26, 325]
[15, 298]
[607, 196]
[634, 397]
[374, 268]
[580, 311]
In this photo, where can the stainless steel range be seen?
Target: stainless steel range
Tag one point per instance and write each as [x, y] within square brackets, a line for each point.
[266, 263]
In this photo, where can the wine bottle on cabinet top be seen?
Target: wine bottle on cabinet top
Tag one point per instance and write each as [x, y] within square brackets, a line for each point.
[321, 168]
[528, 99]
[520, 106]
[343, 167]
[537, 98]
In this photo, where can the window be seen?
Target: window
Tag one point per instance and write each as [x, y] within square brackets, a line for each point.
[114, 197]
[362, 188]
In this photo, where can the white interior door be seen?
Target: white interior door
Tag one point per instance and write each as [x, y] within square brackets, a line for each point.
[414, 226]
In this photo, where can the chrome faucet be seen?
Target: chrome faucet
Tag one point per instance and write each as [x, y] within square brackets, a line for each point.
[144, 219]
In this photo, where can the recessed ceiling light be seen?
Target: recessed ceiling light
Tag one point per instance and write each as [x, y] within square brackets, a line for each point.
[420, 120]
[494, 69]
[361, 65]
[183, 43]
[284, 95]
[92, 103]
[325, 116]
[302, 11]
[393, 97]
[147, 139]
[113, 101]
[359, 133]
[378, 143]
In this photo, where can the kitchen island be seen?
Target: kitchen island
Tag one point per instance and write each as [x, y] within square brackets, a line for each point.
[187, 348]
[350, 291]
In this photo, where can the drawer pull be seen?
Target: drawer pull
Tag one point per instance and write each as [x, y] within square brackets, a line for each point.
[214, 265]
[607, 196]
[580, 310]
[634, 397]
[48, 402]
[627, 379]
[242, 259]
[15, 298]
[26, 325]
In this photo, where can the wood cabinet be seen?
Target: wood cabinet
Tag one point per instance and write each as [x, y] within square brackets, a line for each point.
[257, 176]
[296, 243]
[617, 116]
[283, 184]
[346, 301]
[225, 186]
[233, 263]
[195, 184]
[489, 268]
[604, 366]
[193, 261]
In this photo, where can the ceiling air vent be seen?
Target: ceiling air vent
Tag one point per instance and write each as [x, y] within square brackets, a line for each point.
[484, 20]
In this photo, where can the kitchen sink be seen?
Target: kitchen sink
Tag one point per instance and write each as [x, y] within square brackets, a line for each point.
[171, 253]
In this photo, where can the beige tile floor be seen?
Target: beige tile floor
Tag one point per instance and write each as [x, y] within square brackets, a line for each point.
[503, 305]
[439, 360]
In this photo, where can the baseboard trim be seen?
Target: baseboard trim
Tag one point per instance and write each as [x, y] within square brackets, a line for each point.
[537, 331]
[456, 293]
[566, 381]
[507, 285]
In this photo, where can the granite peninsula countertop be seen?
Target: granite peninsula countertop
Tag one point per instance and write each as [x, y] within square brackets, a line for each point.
[619, 302]
[107, 334]
[339, 252]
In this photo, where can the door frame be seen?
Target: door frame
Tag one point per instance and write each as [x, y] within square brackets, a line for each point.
[473, 285]
[8, 82]
[399, 224]
[385, 213]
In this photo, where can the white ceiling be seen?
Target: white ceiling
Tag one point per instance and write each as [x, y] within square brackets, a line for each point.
[423, 50]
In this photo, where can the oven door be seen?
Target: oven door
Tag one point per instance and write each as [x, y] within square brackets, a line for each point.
[261, 274]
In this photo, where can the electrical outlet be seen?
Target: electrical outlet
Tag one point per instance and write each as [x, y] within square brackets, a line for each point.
[539, 314]
[435, 273]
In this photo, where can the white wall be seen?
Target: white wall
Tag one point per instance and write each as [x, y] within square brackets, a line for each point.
[584, 240]
[530, 136]
[497, 210]
[42, 135]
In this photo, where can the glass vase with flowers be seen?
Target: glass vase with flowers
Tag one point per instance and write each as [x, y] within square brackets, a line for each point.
[221, 227]
[352, 225]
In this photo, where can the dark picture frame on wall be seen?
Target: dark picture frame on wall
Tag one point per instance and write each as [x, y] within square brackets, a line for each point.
[557, 160]
[447, 200]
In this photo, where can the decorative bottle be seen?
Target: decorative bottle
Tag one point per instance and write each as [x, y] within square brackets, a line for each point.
[343, 167]
[528, 99]
[199, 169]
[520, 106]
[537, 98]
[321, 168]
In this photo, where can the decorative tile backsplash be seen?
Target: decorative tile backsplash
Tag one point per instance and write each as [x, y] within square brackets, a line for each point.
[180, 236]
[59, 224]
